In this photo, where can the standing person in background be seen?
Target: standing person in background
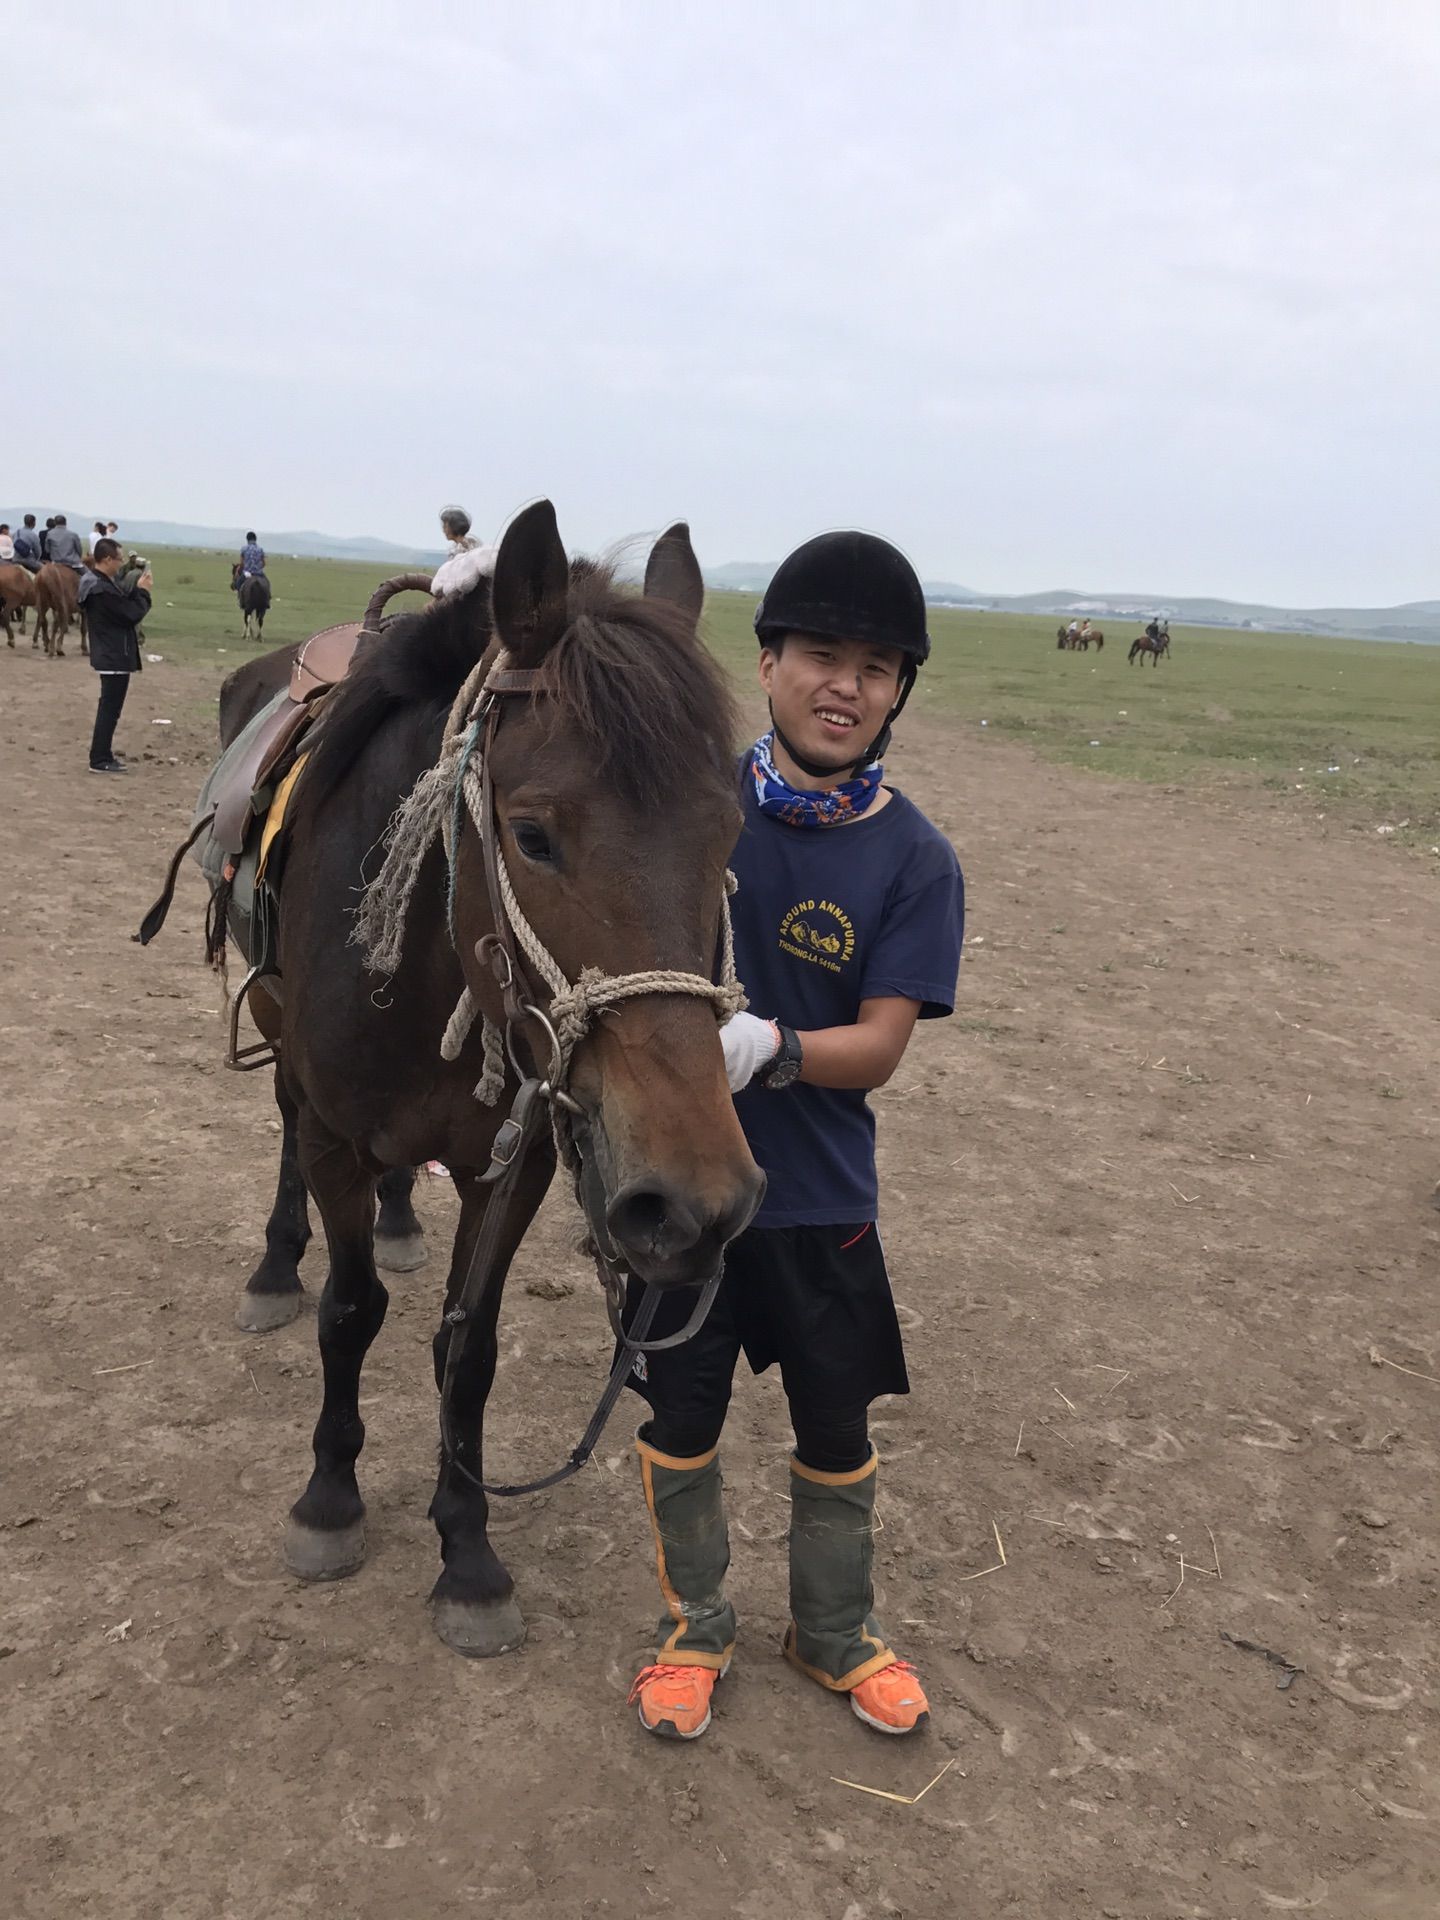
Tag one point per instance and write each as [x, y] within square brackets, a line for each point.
[7, 545]
[27, 544]
[45, 533]
[97, 532]
[63, 547]
[112, 532]
[114, 613]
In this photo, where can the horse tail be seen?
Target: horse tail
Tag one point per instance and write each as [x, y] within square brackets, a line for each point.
[155, 919]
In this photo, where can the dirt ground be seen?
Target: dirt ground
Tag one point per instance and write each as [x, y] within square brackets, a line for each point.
[1159, 1214]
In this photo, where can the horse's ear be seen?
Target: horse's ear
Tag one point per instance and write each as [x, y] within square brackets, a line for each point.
[531, 586]
[673, 573]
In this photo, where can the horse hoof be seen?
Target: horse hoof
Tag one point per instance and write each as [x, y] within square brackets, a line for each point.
[264, 1312]
[479, 1631]
[313, 1554]
[402, 1253]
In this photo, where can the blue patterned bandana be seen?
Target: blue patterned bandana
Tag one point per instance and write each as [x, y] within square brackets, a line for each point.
[775, 795]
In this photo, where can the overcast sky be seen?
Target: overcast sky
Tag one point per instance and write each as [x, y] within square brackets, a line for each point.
[1104, 295]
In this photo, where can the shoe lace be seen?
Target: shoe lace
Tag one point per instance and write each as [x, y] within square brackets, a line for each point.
[661, 1671]
[896, 1667]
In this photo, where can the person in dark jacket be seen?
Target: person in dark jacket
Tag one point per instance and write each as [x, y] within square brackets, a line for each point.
[114, 613]
[45, 533]
[27, 544]
[64, 547]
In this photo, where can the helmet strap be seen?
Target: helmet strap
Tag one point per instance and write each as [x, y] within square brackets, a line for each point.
[877, 748]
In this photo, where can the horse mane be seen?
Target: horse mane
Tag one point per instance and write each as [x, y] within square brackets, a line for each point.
[628, 674]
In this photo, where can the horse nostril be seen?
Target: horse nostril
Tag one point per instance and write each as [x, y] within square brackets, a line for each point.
[651, 1220]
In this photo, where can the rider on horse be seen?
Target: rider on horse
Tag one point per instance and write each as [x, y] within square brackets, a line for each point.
[251, 562]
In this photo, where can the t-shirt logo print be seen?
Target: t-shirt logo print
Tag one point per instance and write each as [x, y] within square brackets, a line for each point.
[818, 932]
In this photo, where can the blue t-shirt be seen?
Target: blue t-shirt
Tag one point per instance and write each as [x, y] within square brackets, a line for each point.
[825, 918]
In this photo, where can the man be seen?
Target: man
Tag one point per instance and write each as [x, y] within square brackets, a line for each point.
[848, 925]
[27, 544]
[1072, 632]
[114, 613]
[64, 548]
[45, 533]
[252, 559]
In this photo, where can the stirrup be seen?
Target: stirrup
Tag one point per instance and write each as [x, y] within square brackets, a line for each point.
[259, 1053]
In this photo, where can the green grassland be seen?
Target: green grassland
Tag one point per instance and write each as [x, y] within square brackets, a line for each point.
[1246, 710]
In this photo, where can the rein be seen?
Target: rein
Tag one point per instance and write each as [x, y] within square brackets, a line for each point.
[517, 957]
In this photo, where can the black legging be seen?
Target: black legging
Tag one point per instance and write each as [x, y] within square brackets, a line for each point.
[113, 689]
[829, 1442]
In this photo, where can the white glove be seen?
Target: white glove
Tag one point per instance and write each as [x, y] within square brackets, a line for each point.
[462, 571]
[749, 1043]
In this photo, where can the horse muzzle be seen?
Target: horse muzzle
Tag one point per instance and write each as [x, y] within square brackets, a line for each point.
[663, 1237]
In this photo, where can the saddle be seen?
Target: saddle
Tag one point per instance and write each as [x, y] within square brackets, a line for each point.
[241, 786]
[241, 789]
[239, 797]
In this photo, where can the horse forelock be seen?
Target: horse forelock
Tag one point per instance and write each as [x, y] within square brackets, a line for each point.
[630, 677]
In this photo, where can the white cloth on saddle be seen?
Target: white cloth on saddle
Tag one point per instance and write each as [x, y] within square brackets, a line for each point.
[462, 571]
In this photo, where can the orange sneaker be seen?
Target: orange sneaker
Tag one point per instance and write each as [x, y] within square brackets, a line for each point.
[675, 1701]
[892, 1700]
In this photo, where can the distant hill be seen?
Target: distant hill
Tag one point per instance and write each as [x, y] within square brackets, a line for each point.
[1417, 620]
[753, 576]
[307, 544]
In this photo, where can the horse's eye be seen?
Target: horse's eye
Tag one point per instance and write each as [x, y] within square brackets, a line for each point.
[533, 841]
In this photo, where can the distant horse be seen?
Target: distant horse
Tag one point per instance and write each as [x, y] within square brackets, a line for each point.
[17, 592]
[1093, 638]
[586, 767]
[1155, 648]
[57, 603]
[254, 596]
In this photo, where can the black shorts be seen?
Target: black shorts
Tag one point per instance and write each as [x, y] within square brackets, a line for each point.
[815, 1299]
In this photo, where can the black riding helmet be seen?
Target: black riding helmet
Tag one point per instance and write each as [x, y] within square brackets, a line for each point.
[849, 586]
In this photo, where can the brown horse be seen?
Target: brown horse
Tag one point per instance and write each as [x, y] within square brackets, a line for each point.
[1157, 649]
[17, 592]
[57, 603]
[609, 798]
[252, 594]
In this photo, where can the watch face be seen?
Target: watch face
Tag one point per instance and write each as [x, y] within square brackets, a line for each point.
[784, 1073]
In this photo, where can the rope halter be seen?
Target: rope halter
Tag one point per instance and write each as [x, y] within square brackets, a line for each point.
[574, 1006]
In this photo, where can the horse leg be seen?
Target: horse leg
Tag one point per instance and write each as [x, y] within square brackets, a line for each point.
[399, 1237]
[325, 1536]
[472, 1604]
[273, 1292]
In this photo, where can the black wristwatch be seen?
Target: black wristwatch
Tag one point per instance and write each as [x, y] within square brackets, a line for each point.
[783, 1068]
